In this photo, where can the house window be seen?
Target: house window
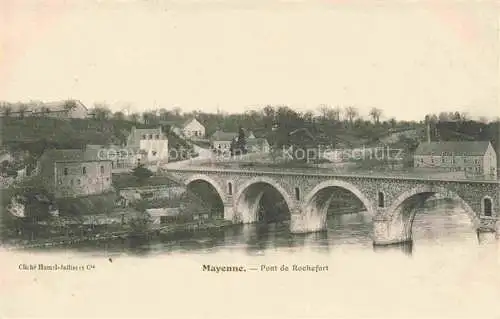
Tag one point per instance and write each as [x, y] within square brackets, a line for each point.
[297, 193]
[163, 219]
[442, 159]
[380, 199]
[84, 170]
[102, 169]
[157, 136]
[107, 179]
[144, 137]
[150, 136]
[487, 206]
[230, 188]
[65, 171]
[78, 181]
[153, 153]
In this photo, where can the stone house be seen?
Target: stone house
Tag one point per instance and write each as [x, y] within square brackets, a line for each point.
[150, 145]
[473, 158]
[121, 158]
[192, 128]
[74, 172]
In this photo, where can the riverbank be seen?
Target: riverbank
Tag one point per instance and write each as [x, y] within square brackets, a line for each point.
[151, 232]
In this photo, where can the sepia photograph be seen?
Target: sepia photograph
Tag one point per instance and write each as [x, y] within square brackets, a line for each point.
[249, 159]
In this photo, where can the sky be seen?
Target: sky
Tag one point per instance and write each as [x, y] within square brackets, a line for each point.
[408, 58]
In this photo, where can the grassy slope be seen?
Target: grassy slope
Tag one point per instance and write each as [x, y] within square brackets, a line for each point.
[36, 134]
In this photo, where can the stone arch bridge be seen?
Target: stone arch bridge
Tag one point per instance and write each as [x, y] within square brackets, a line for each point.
[392, 201]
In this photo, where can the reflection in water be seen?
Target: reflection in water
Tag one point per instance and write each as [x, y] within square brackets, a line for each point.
[406, 248]
[436, 225]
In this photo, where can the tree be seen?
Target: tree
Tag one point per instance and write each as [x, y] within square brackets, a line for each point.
[69, 105]
[142, 173]
[177, 111]
[101, 111]
[351, 113]
[7, 110]
[22, 110]
[134, 117]
[329, 113]
[337, 111]
[241, 143]
[45, 111]
[120, 116]
[164, 114]
[149, 118]
[444, 117]
[393, 122]
[375, 113]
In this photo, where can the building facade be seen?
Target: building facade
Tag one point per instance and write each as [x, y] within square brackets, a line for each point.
[473, 158]
[74, 173]
[121, 158]
[257, 145]
[150, 145]
[221, 141]
[192, 128]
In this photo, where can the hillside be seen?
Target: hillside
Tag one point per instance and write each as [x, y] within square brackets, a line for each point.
[36, 134]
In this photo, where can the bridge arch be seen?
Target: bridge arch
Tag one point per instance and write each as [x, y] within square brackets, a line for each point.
[209, 180]
[248, 196]
[311, 196]
[404, 208]
[315, 205]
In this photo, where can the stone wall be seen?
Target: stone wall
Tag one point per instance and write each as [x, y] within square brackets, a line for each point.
[396, 190]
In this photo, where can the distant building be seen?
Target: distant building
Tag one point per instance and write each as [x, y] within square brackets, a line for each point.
[172, 126]
[473, 158]
[192, 128]
[221, 140]
[151, 144]
[60, 109]
[257, 145]
[72, 172]
[163, 215]
[121, 158]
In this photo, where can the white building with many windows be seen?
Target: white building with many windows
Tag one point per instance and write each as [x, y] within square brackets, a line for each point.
[149, 145]
[473, 158]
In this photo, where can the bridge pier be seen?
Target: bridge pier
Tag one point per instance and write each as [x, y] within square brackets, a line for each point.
[306, 222]
[488, 230]
[387, 232]
[229, 213]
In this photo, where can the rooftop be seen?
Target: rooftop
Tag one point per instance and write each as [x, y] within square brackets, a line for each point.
[456, 148]
[38, 107]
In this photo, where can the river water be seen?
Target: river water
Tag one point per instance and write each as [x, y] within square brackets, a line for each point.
[434, 226]
[445, 273]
